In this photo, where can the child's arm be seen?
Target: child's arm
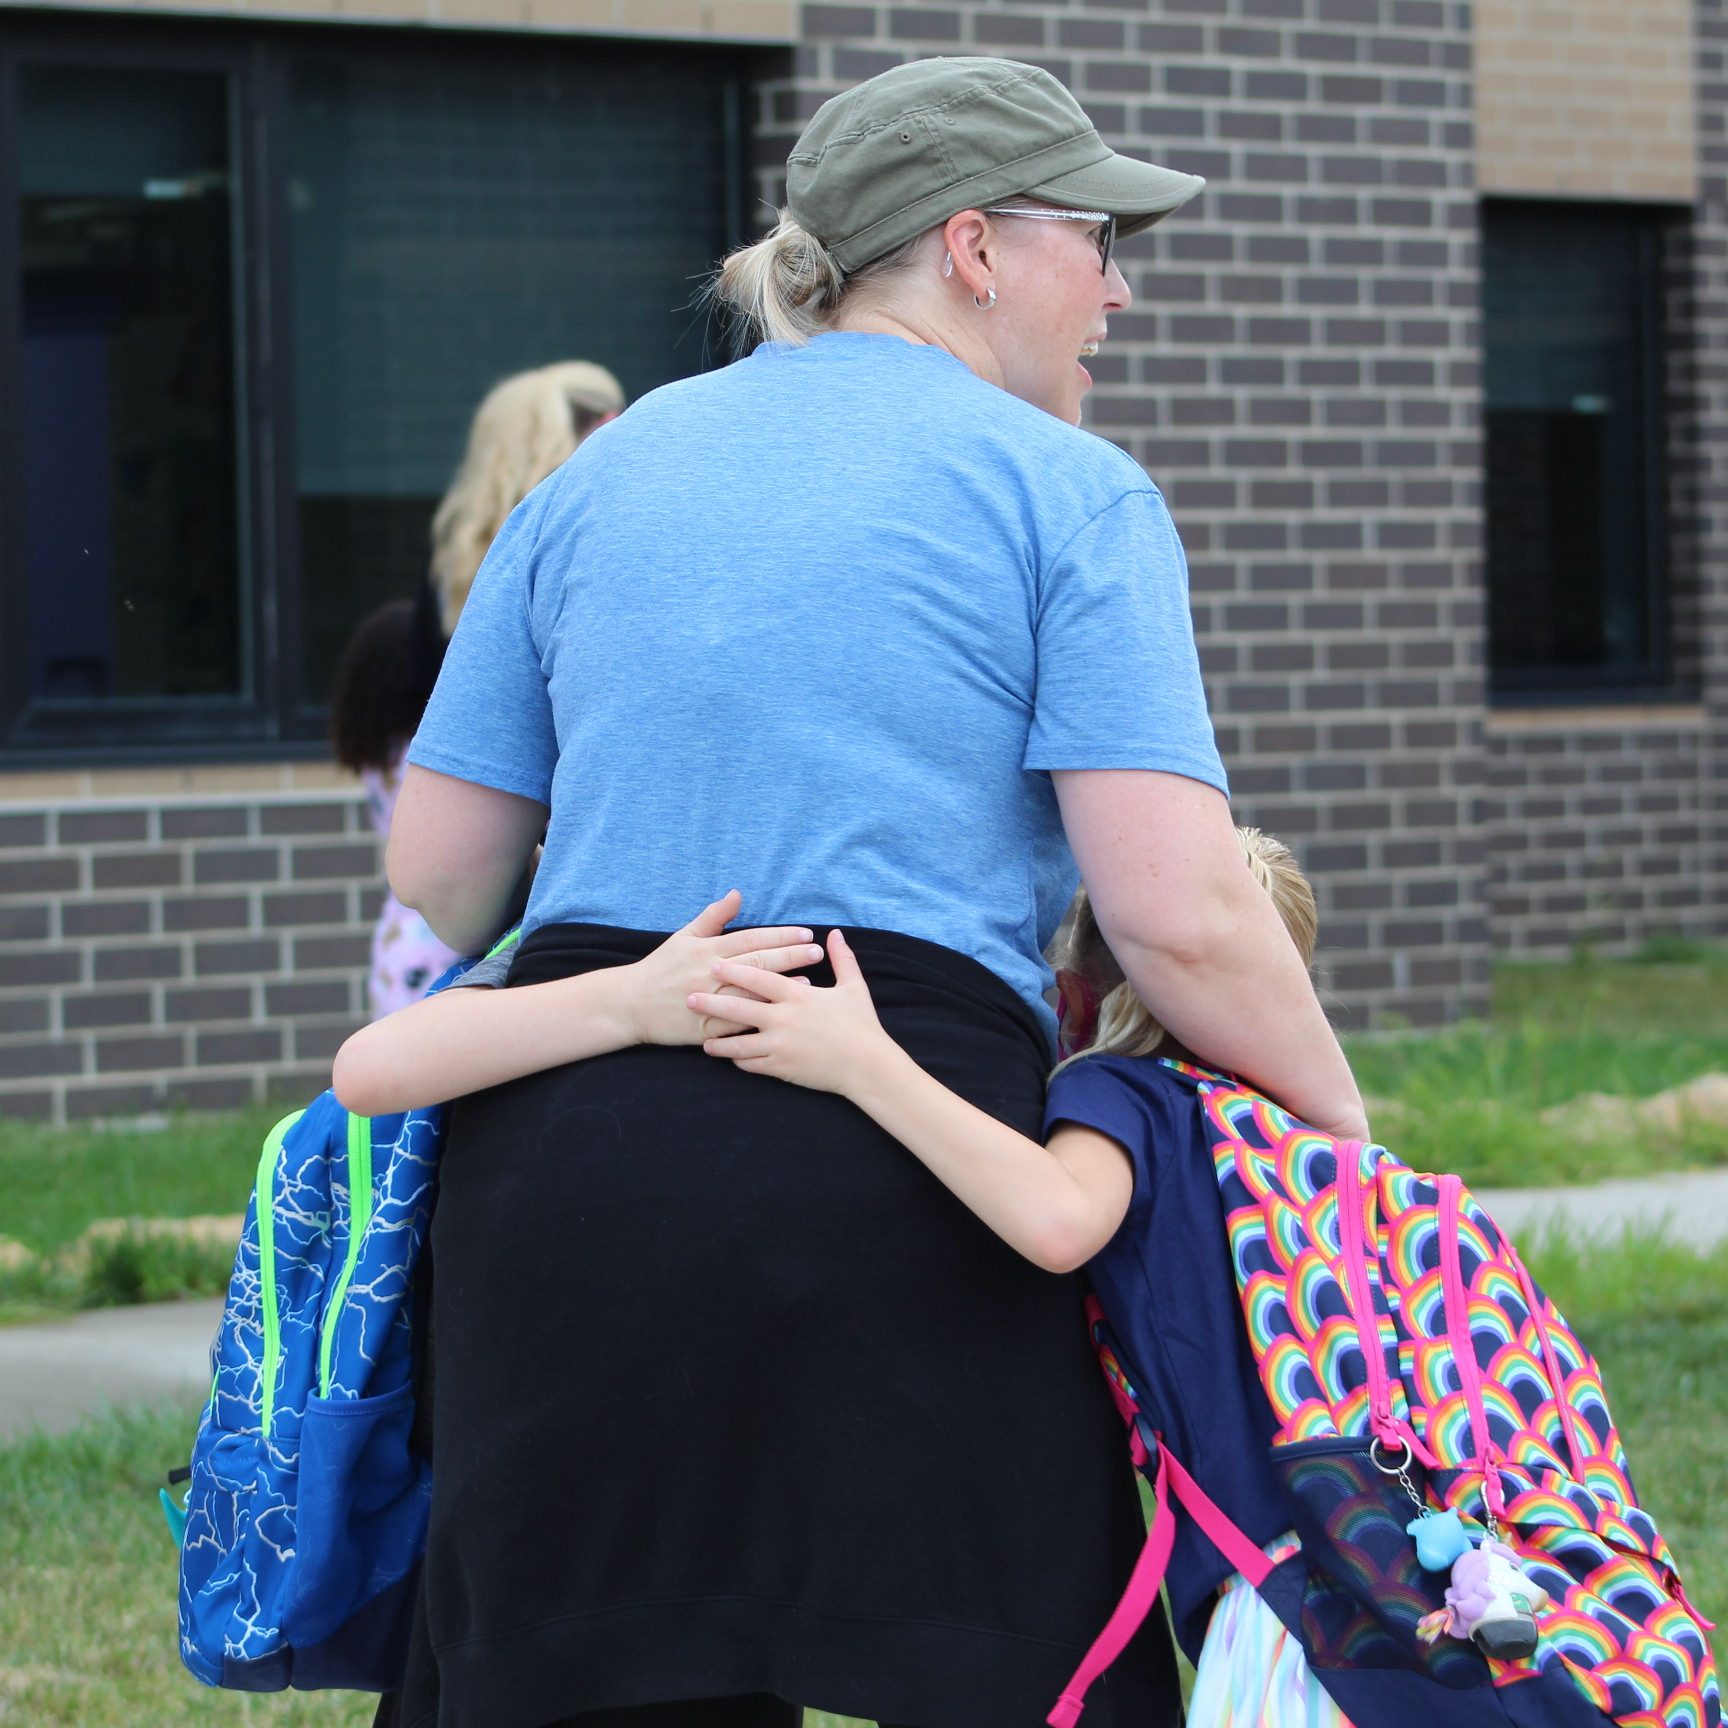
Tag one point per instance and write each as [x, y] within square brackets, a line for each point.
[460, 1041]
[1057, 1205]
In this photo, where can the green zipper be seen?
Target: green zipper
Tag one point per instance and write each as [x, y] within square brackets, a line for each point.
[264, 1205]
[359, 1216]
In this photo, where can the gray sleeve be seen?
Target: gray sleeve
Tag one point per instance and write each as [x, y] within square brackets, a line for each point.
[488, 973]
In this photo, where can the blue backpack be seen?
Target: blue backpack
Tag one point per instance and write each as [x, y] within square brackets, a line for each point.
[305, 1516]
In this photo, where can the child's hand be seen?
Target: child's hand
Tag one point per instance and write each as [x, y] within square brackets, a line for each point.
[660, 983]
[812, 1037]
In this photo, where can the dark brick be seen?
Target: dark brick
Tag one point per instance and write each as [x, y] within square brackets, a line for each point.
[923, 24]
[132, 1054]
[1009, 30]
[248, 864]
[325, 953]
[818, 20]
[320, 996]
[23, 828]
[125, 965]
[85, 1102]
[159, 869]
[205, 822]
[319, 1040]
[24, 923]
[96, 827]
[22, 1015]
[315, 863]
[40, 1061]
[26, 1106]
[23, 967]
[318, 906]
[83, 918]
[57, 874]
[206, 912]
[105, 1008]
[208, 1002]
[230, 1049]
[254, 955]
[230, 1092]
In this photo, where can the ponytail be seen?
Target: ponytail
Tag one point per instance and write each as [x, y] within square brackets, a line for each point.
[787, 286]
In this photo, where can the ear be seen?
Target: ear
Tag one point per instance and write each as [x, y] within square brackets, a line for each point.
[967, 237]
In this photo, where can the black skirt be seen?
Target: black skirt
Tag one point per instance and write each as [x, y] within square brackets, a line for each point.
[732, 1396]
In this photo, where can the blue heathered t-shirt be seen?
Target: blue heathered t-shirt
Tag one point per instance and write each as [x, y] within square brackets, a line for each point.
[817, 625]
[1166, 1284]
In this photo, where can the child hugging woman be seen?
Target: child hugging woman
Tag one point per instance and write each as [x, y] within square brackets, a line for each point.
[1122, 1186]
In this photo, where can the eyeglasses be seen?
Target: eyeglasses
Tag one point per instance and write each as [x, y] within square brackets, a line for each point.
[1106, 231]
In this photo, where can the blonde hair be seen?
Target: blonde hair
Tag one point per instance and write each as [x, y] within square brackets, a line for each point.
[1125, 1026]
[525, 428]
[787, 286]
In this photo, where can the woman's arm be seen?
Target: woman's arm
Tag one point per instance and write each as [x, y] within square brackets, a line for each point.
[461, 1041]
[1057, 1205]
[459, 854]
[1200, 940]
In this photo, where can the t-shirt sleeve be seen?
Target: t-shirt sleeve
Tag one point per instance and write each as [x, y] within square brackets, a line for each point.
[1088, 1094]
[490, 717]
[487, 973]
[1118, 678]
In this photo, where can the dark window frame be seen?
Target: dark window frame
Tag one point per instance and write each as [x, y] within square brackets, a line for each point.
[267, 723]
[1653, 680]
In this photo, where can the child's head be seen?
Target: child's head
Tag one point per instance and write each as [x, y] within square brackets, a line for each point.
[1101, 1013]
[375, 702]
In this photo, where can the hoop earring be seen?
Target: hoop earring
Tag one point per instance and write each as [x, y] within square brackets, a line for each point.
[947, 264]
[985, 305]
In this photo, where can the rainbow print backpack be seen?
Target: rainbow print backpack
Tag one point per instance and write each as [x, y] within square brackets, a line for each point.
[1427, 1396]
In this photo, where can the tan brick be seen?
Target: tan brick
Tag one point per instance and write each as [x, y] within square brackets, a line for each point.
[660, 17]
[753, 20]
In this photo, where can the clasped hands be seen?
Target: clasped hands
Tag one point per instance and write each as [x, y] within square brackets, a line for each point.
[729, 991]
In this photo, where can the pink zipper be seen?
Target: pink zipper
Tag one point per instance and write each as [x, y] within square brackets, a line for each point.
[1352, 1249]
[1463, 1345]
[1552, 1361]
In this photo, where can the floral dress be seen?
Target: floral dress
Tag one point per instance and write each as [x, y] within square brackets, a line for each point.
[406, 956]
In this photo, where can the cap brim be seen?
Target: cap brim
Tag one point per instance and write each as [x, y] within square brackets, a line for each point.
[1136, 193]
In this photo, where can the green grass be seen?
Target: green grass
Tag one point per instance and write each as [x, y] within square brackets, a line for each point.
[1466, 1098]
[56, 1182]
[87, 1574]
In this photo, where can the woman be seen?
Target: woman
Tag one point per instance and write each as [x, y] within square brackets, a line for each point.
[738, 1409]
[526, 427]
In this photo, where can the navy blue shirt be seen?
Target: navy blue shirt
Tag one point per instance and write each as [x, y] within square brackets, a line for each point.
[1166, 1283]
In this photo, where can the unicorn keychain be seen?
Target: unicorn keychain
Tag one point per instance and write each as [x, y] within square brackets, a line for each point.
[1490, 1600]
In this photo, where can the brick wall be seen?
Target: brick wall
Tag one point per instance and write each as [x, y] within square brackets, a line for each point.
[1299, 375]
[1592, 98]
[196, 951]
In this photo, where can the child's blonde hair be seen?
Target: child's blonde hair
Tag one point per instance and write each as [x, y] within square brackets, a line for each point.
[525, 428]
[1087, 971]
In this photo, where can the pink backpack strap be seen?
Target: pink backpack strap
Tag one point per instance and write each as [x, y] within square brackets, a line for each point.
[1148, 1574]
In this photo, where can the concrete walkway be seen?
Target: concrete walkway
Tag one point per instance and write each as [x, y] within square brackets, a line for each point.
[1689, 1206]
[55, 1375]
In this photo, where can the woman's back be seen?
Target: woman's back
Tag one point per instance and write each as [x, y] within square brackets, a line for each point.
[840, 598]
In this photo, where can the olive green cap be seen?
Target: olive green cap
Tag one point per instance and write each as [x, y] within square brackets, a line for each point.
[910, 147]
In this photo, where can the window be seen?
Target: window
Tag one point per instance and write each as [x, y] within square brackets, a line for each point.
[1574, 463]
[247, 354]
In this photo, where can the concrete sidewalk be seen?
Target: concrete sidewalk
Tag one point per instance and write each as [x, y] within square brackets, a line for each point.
[55, 1375]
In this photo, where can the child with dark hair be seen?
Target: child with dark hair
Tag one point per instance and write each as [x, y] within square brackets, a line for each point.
[377, 702]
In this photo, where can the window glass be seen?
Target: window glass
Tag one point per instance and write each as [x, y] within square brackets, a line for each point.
[131, 544]
[458, 217]
[1573, 467]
